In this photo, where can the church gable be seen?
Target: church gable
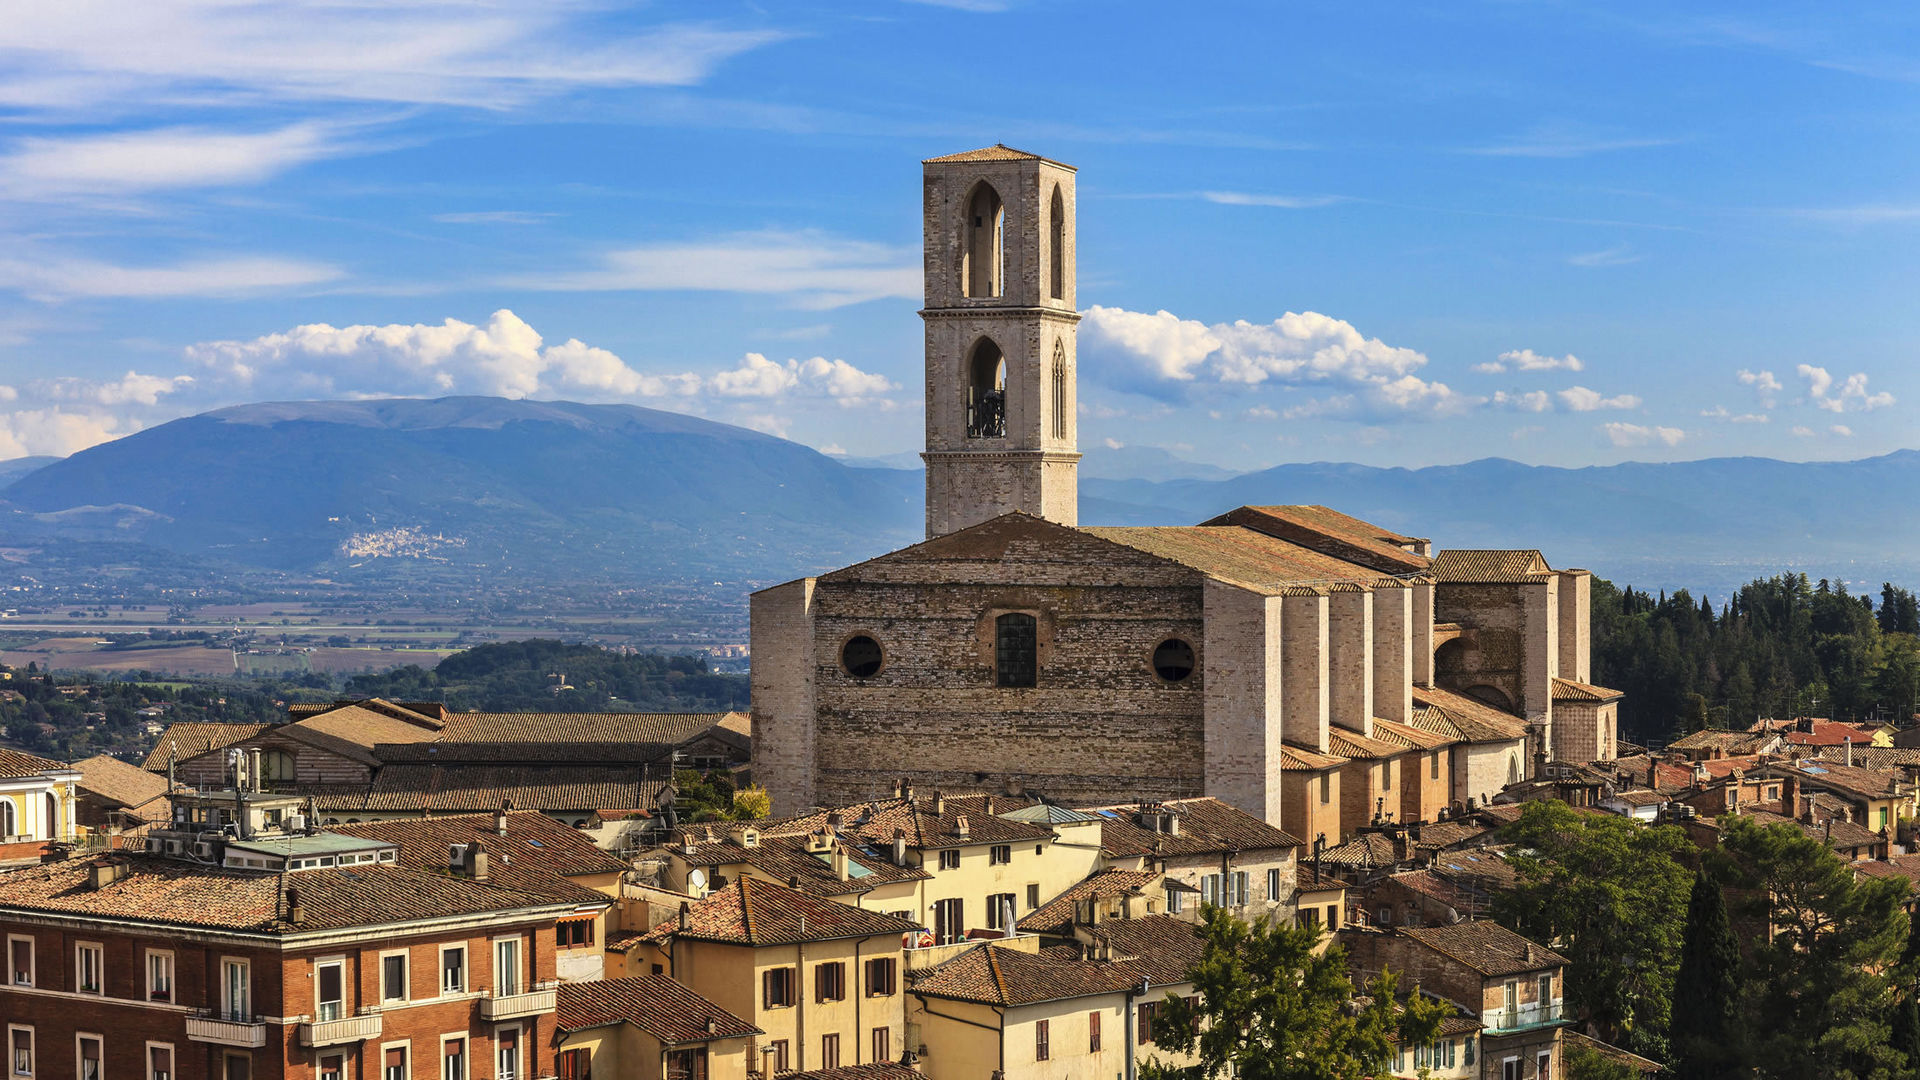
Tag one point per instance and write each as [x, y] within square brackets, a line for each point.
[1025, 548]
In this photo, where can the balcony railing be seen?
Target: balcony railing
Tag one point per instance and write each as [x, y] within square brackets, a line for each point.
[347, 1029]
[541, 999]
[213, 1029]
[1525, 1016]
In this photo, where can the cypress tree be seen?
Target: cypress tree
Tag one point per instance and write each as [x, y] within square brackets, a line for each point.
[1706, 988]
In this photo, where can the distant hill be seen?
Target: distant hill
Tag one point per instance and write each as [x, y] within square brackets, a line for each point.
[512, 490]
[16, 468]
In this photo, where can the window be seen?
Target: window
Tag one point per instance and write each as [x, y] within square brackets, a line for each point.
[1173, 660]
[1306, 917]
[1061, 409]
[1033, 896]
[999, 854]
[394, 1066]
[950, 859]
[393, 977]
[87, 963]
[574, 1064]
[507, 978]
[276, 767]
[1510, 1069]
[573, 933]
[20, 959]
[949, 921]
[159, 975]
[1144, 1023]
[20, 1050]
[860, 657]
[1016, 649]
[688, 1064]
[1543, 1065]
[986, 391]
[1239, 890]
[453, 1059]
[237, 1066]
[236, 990]
[1511, 998]
[8, 826]
[1326, 788]
[1333, 915]
[882, 1044]
[880, 977]
[1000, 912]
[506, 1051]
[776, 987]
[1041, 1036]
[830, 1051]
[830, 982]
[1469, 1050]
[453, 969]
[1273, 886]
[1057, 249]
[980, 276]
[1176, 901]
[333, 1067]
[1386, 776]
[1093, 1033]
[330, 990]
[87, 1048]
[1210, 890]
[776, 1053]
[1546, 995]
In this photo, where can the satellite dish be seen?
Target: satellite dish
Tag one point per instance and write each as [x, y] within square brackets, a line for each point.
[696, 879]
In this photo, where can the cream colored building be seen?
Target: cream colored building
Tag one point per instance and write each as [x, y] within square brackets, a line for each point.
[647, 1028]
[36, 805]
[1015, 650]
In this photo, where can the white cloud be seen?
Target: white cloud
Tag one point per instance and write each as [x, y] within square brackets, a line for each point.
[1842, 430]
[1624, 435]
[1751, 418]
[1530, 401]
[494, 217]
[52, 278]
[1800, 431]
[759, 377]
[818, 271]
[132, 388]
[1763, 383]
[1156, 353]
[129, 161]
[1618, 255]
[1114, 444]
[1581, 399]
[55, 431]
[1528, 360]
[1262, 412]
[1848, 395]
[1284, 202]
[1565, 141]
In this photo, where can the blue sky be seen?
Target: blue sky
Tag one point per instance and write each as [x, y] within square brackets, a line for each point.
[1398, 234]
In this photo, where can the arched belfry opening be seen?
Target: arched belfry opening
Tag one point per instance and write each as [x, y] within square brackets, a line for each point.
[1057, 246]
[986, 391]
[981, 258]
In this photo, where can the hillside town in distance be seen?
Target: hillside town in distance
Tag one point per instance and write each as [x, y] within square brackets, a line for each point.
[1025, 801]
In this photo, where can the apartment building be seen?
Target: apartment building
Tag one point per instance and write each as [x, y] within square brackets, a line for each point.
[36, 804]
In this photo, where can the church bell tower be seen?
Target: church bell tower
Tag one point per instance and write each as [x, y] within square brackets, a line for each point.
[1000, 322]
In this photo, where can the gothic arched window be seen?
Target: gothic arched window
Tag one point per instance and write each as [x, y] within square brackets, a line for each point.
[1057, 261]
[986, 391]
[1059, 390]
[980, 258]
[1016, 649]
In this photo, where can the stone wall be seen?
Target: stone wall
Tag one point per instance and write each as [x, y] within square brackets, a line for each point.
[1243, 698]
[781, 625]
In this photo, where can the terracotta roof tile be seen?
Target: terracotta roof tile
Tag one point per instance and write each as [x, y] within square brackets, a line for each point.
[1331, 533]
[667, 1010]
[191, 738]
[1569, 690]
[878, 1070]
[992, 975]
[1239, 555]
[996, 152]
[1644, 1066]
[19, 763]
[750, 911]
[1486, 947]
[1352, 744]
[1056, 916]
[1299, 759]
[116, 782]
[1205, 825]
[1410, 736]
[786, 857]
[1475, 720]
[875, 822]
[478, 788]
[1488, 567]
[538, 854]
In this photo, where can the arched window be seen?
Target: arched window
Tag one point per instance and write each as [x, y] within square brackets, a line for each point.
[9, 825]
[1513, 768]
[980, 258]
[1059, 390]
[1057, 252]
[1016, 649]
[986, 391]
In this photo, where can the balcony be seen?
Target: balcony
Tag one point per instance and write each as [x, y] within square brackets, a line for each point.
[213, 1029]
[533, 1002]
[349, 1029]
[1521, 1018]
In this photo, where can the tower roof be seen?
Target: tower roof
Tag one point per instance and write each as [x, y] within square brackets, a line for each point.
[996, 152]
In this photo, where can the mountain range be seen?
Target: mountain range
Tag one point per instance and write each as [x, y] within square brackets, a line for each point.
[618, 493]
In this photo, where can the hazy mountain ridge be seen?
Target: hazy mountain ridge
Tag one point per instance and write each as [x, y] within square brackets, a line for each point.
[616, 492]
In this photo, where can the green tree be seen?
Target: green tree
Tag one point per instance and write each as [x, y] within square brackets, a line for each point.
[1906, 986]
[1817, 996]
[1708, 982]
[1270, 1008]
[1585, 1063]
[1610, 895]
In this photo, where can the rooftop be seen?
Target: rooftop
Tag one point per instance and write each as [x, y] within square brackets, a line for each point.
[1205, 825]
[1486, 947]
[537, 855]
[16, 764]
[1158, 948]
[117, 783]
[1055, 917]
[663, 1008]
[753, 912]
[1468, 566]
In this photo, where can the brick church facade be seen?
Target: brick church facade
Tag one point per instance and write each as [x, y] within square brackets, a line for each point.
[1304, 665]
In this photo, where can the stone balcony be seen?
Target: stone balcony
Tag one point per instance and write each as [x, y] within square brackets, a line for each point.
[214, 1029]
[347, 1029]
[541, 999]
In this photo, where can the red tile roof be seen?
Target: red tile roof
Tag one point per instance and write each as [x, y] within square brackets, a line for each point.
[19, 763]
[1489, 567]
[1206, 825]
[1056, 915]
[1486, 947]
[538, 854]
[750, 911]
[667, 1010]
[191, 738]
[1159, 949]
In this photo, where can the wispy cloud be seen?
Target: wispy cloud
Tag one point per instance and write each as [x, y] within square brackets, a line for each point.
[815, 269]
[1528, 360]
[1285, 202]
[1628, 435]
[1562, 141]
[175, 157]
[495, 217]
[60, 278]
[1861, 215]
[1849, 394]
[1618, 255]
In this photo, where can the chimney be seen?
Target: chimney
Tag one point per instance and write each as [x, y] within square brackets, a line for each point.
[988, 811]
[1849, 743]
[840, 862]
[477, 861]
[900, 788]
[899, 847]
[1653, 772]
[960, 826]
[104, 873]
[253, 768]
[500, 817]
[1790, 797]
[296, 911]
[939, 804]
[909, 794]
[686, 915]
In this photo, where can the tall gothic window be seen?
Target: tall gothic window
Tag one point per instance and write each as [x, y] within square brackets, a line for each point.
[1016, 649]
[1059, 390]
[1057, 261]
[986, 392]
[980, 270]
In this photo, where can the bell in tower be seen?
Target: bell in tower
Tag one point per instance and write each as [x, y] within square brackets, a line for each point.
[1000, 325]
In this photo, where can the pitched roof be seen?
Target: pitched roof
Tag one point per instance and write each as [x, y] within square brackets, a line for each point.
[1206, 825]
[1836, 832]
[475, 789]
[785, 857]
[1486, 947]
[750, 911]
[1443, 711]
[602, 738]
[1727, 742]
[1157, 948]
[996, 152]
[184, 739]
[1848, 779]
[875, 1070]
[926, 829]
[1056, 916]
[669, 1011]
[1299, 759]
[538, 854]
[19, 763]
[1240, 556]
[1488, 567]
[178, 893]
[1569, 690]
[1830, 733]
[1352, 744]
[116, 782]
[1646, 1066]
[1331, 533]
[1407, 735]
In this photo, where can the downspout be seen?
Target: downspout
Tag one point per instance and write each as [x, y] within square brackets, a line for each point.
[859, 991]
[1127, 1038]
[799, 1004]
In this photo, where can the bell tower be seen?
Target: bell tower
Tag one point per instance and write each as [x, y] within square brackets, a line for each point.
[1000, 323]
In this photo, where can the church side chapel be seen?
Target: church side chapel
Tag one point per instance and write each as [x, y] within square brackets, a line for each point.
[1319, 671]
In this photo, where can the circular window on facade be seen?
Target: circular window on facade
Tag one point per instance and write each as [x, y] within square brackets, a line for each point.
[1173, 660]
[860, 656]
